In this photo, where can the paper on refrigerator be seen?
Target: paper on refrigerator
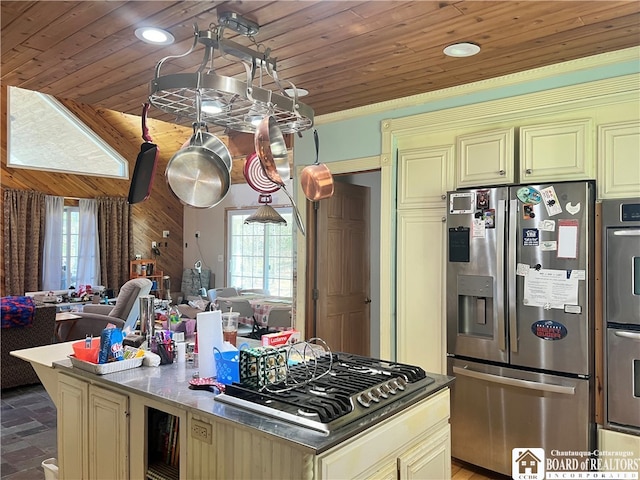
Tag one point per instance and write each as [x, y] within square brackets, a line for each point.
[550, 289]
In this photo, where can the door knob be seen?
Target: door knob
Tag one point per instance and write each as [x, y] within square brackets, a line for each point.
[502, 172]
[528, 171]
[367, 300]
[444, 197]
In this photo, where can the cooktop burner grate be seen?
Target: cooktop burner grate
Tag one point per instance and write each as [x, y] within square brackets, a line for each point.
[354, 387]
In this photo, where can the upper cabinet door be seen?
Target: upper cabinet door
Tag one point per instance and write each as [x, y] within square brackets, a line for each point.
[619, 160]
[424, 176]
[557, 151]
[486, 158]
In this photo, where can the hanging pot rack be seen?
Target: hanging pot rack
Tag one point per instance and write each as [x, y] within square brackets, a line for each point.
[239, 102]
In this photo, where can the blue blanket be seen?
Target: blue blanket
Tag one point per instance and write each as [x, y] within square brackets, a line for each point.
[17, 311]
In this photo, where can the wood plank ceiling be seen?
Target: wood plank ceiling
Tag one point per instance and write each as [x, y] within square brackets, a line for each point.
[346, 54]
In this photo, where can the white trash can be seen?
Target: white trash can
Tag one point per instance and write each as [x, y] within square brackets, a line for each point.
[50, 466]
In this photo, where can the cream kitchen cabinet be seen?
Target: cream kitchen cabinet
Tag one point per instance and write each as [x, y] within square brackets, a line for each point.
[420, 293]
[91, 421]
[619, 160]
[413, 446]
[486, 158]
[425, 175]
[557, 151]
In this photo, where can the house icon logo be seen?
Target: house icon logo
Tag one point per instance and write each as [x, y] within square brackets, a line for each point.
[527, 463]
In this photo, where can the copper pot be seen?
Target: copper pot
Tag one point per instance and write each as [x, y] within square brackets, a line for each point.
[316, 179]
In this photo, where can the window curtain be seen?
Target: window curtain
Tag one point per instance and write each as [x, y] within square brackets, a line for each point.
[52, 252]
[23, 222]
[88, 244]
[116, 240]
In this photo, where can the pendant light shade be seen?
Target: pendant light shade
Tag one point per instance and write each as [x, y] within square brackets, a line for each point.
[266, 214]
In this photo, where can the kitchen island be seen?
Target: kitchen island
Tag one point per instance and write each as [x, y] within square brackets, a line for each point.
[109, 426]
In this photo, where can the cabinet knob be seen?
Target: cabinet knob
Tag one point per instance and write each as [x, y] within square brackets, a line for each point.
[444, 219]
[443, 196]
[502, 172]
[528, 171]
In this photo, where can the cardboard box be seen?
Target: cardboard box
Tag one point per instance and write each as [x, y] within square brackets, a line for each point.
[279, 339]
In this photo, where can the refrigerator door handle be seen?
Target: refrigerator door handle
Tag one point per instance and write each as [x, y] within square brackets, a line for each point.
[499, 317]
[511, 274]
[515, 382]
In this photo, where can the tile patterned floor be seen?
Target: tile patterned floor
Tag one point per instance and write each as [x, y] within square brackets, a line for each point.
[28, 432]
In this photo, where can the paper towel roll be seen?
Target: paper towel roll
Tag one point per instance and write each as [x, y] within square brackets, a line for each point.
[209, 325]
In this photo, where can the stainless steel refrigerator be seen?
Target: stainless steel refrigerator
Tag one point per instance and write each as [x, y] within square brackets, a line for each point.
[520, 320]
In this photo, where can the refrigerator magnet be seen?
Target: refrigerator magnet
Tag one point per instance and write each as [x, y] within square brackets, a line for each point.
[572, 209]
[530, 237]
[461, 203]
[547, 225]
[548, 245]
[568, 238]
[482, 199]
[529, 195]
[549, 330]
[489, 218]
[527, 211]
[550, 200]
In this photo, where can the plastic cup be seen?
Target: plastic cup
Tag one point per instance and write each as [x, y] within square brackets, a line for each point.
[230, 327]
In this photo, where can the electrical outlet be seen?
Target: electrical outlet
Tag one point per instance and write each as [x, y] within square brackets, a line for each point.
[197, 233]
[154, 244]
[220, 258]
[202, 431]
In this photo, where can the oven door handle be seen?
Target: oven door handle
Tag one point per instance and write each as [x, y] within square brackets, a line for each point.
[631, 335]
[515, 382]
[627, 233]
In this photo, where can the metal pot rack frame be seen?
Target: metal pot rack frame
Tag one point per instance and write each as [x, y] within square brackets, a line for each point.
[241, 101]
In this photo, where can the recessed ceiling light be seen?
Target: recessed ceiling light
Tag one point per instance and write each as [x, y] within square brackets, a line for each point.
[291, 92]
[154, 36]
[464, 49]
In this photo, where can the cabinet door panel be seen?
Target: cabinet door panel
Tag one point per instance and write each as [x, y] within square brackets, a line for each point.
[430, 459]
[420, 269]
[486, 158]
[424, 176]
[557, 151]
[618, 160]
[108, 432]
[72, 427]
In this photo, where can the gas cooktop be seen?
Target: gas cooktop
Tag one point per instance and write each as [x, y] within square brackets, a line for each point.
[352, 387]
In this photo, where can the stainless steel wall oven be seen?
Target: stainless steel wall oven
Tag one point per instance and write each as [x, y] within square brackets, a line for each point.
[621, 252]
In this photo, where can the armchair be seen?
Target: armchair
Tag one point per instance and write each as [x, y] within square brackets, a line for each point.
[94, 318]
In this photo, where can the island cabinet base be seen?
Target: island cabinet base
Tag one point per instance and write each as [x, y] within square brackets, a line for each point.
[412, 444]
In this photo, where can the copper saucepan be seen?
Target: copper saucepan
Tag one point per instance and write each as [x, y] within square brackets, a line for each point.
[272, 152]
[316, 179]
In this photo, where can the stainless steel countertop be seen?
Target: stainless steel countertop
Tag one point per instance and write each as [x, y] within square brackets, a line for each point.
[170, 384]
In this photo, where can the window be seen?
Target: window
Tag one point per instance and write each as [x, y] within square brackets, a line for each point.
[65, 145]
[70, 235]
[260, 255]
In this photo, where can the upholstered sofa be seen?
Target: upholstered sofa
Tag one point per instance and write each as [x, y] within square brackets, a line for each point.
[13, 371]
